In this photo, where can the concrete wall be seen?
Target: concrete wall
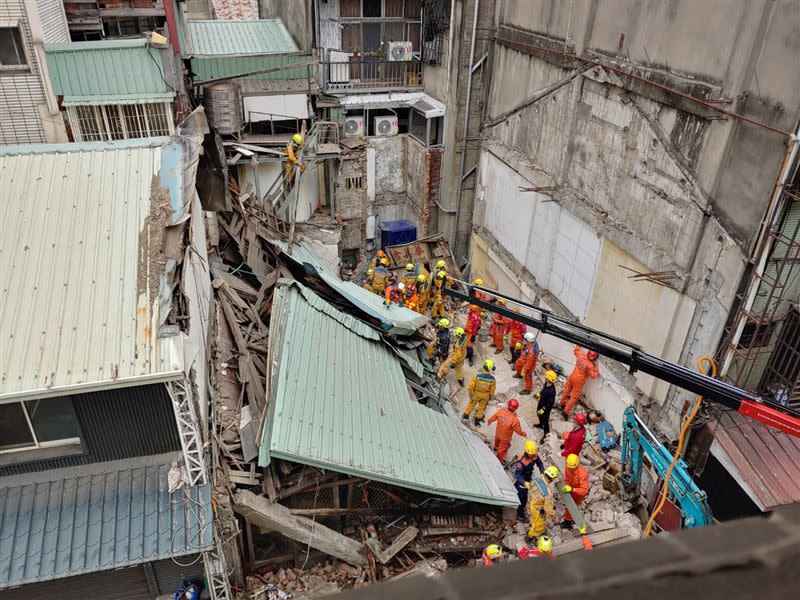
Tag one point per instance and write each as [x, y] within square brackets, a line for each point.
[390, 164]
[296, 15]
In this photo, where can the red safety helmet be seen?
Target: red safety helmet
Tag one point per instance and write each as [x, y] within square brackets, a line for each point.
[592, 355]
[513, 405]
[580, 419]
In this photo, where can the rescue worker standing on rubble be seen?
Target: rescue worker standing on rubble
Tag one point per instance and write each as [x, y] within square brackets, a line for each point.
[547, 399]
[526, 362]
[473, 325]
[576, 483]
[456, 358]
[292, 154]
[573, 440]
[507, 425]
[498, 328]
[439, 349]
[380, 276]
[410, 298]
[424, 293]
[439, 282]
[394, 294]
[540, 502]
[410, 275]
[585, 368]
[481, 389]
[514, 331]
[523, 474]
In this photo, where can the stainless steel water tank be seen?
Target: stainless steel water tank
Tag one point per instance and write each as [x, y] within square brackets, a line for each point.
[223, 102]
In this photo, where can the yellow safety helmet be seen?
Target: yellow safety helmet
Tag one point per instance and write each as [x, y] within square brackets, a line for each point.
[409, 267]
[440, 264]
[544, 544]
[493, 551]
[572, 461]
[459, 331]
[488, 365]
[369, 271]
[444, 323]
[421, 278]
[551, 471]
[384, 262]
[502, 301]
[550, 376]
[518, 345]
[530, 447]
[478, 281]
[441, 275]
[297, 138]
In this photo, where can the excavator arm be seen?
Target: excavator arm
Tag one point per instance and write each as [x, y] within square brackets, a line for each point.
[749, 405]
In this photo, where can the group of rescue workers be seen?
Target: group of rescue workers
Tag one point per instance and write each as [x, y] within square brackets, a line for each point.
[416, 290]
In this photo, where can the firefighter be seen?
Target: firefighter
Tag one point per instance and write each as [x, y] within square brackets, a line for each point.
[507, 425]
[514, 331]
[380, 276]
[424, 293]
[491, 553]
[479, 294]
[410, 297]
[585, 368]
[290, 166]
[576, 483]
[540, 501]
[573, 440]
[481, 389]
[473, 325]
[394, 294]
[544, 547]
[376, 260]
[524, 472]
[498, 328]
[439, 349]
[456, 358]
[526, 362]
[367, 285]
[410, 275]
[547, 399]
[438, 308]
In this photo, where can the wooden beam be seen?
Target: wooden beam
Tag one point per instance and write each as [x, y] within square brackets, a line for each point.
[400, 542]
[264, 513]
[597, 539]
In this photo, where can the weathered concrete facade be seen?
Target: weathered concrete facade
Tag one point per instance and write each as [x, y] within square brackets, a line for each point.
[631, 177]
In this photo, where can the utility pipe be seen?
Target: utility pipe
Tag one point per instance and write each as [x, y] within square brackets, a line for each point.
[466, 125]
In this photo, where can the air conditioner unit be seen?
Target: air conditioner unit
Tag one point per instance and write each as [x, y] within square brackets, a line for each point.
[395, 51]
[386, 125]
[354, 125]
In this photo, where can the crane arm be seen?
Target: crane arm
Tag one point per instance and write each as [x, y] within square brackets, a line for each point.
[749, 405]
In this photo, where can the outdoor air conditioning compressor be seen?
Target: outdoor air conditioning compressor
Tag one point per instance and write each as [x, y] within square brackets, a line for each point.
[386, 125]
[354, 125]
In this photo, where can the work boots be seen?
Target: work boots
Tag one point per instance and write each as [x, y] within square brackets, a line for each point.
[566, 524]
[477, 422]
[524, 392]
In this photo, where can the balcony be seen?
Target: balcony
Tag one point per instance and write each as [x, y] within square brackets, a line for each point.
[371, 75]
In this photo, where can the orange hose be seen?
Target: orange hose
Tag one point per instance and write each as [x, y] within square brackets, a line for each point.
[704, 365]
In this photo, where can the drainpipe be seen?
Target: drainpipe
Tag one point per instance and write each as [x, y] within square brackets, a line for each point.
[172, 26]
[764, 248]
[466, 124]
[37, 35]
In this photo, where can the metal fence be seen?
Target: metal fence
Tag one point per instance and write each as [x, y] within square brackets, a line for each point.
[372, 74]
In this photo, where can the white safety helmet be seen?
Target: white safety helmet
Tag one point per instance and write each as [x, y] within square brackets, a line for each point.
[529, 337]
[401, 285]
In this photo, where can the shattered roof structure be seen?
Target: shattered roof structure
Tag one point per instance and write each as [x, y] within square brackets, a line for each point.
[61, 523]
[84, 290]
[394, 319]
[338, 400]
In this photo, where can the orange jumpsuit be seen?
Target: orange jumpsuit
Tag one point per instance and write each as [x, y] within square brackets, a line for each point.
[507, 425]
[578, 478]
[497, 330]
[584, 369]
[411, 301]
[472, 326]
[527, 362]
[515, 330]
[392, 294]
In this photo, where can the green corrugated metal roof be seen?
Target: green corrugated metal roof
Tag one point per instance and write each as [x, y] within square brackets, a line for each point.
[239, 38]
[338, 400]
[108, 72]
[206, 68]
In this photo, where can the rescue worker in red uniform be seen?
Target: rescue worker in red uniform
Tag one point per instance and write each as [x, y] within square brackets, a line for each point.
[472, 326]
[507, 425]
[410, 298]
[498, 329]
[526, 362]
[393, 294]
[585, 368]
[515, 331]
[573, 440]
[576, 483]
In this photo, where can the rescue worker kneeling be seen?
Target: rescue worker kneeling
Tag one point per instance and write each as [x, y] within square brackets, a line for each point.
[540, 501]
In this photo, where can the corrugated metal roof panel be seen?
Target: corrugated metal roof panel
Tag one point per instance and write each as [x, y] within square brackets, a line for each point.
[338, 400]
[239, 38]
[73, 521]
[101, 72]
[77, 305]
[765, 462]
[211, 67]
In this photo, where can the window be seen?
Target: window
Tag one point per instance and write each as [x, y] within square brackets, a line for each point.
[755, 335]
[33, 424]
[12, 51]
[367, 24]
[124, 121]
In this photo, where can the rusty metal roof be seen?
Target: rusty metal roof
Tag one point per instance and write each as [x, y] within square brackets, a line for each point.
[765, 462]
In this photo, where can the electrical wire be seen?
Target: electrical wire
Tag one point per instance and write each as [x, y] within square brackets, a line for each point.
[704, 364]
[196, 510]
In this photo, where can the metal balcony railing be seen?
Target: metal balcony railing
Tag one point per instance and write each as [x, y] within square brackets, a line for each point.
[372, 74]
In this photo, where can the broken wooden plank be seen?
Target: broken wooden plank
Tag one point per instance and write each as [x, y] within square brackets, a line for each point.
[264, 513]
[400, 542]
[597, 539]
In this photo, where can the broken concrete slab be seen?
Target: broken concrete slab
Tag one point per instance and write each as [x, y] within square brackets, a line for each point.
[260, 511]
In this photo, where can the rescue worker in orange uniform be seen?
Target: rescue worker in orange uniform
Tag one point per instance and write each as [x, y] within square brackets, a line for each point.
[376, 261]
[439, 282]
[424, 293]
[507, 425]
[585, 368]
[576, 483]
[526, 362]
[473, 324]
[394, 294]
[380, 276]
[498, 328]
[410, 298]
[514, 331]
[481, 389]
[456, 358]
[540, 502]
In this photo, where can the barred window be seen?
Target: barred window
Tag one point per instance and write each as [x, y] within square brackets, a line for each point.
[118, 122]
